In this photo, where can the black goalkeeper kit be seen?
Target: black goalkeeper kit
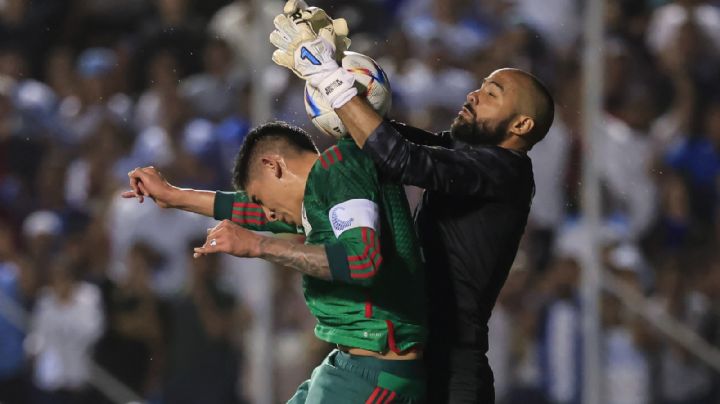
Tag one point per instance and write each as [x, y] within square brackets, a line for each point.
[470, 221]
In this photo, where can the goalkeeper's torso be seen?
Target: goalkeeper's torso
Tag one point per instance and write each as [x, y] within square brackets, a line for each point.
[387, 312]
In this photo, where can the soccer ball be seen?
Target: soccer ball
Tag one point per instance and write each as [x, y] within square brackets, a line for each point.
[370, 81]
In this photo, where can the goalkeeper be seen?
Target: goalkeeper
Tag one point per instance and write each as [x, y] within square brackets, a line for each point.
[361, 263]
[479, 186]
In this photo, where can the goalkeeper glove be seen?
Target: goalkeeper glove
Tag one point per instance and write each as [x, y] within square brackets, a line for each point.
[315, 61]
[300, 23]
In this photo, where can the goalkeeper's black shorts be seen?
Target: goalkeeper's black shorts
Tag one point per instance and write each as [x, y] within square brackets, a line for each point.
[459, 376]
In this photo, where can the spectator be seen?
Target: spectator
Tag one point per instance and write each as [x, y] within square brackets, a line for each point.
[131, 348]
[202, 350]
[98, 98]
[15, 292]
[71, 128]
[174, 28]
[163, 74]
[560, 340]
[66, 322]
[625, 338]
[550, 161]
[213, 93]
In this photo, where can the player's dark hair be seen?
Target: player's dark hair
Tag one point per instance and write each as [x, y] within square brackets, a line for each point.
[291, 136]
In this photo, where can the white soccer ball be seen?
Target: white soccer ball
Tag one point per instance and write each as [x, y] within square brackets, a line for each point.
[370, 81]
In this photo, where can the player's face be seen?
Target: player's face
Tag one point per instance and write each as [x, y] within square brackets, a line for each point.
[487, 112]
[276, 199]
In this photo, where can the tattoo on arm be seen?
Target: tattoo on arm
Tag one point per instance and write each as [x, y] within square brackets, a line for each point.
[308, 259]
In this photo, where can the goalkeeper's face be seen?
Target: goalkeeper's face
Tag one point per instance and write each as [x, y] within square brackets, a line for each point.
[486, 116]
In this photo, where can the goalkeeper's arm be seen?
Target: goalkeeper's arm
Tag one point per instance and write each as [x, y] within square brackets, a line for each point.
[460, 172]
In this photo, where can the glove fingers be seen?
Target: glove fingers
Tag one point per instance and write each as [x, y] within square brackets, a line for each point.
[319, 19]
[293, 6]
[285, 26]
[297, 32]
[340, 27]
[283, 58]
[280, 40]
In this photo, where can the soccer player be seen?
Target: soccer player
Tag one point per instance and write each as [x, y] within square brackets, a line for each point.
[479, 186]
[363, 276]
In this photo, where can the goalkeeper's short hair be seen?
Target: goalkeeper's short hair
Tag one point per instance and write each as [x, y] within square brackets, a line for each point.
[277, 134]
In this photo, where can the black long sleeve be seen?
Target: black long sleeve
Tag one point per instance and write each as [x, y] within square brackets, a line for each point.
[460, 171]
[470, 222]
[422, 137]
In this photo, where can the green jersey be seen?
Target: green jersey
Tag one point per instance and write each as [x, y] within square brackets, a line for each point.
[375, 299]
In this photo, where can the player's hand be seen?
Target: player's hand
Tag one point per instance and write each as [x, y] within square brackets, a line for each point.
[229, 238]
[299, 23]
[148, 182]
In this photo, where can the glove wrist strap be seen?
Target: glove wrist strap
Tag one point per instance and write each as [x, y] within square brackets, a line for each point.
[338, 87]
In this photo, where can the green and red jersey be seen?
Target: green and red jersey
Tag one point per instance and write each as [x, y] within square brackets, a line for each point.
[375, 299]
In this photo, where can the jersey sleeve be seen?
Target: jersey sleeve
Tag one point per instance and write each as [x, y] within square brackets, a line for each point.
[422, 137]
[451, 171]
[237, 207]
[351, 191]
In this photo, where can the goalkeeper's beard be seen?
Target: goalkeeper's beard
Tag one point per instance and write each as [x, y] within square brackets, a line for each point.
[479, 133]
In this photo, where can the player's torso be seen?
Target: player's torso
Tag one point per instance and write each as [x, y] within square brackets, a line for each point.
[398, 294]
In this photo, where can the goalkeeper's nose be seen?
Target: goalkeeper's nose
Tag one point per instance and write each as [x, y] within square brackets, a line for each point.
[472, 98]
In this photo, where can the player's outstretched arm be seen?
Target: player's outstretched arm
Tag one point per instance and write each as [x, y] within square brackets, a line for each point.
[148, 182]
[228, 238]
[233, 206]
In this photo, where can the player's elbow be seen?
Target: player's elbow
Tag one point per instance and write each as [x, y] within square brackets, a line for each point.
[365, 271]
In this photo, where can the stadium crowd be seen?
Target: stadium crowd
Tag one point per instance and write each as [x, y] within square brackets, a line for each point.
[91, 89]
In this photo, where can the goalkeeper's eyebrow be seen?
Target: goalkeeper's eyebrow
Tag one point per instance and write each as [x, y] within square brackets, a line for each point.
[502, 89]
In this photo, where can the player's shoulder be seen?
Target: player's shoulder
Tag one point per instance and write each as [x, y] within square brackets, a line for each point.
[343, 156]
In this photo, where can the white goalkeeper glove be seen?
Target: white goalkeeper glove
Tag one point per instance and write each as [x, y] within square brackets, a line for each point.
[300, 23]
[315, 62]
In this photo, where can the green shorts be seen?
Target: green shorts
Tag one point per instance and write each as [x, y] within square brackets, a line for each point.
[347, 379]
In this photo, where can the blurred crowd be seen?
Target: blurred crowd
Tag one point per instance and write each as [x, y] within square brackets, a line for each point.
[91, 89]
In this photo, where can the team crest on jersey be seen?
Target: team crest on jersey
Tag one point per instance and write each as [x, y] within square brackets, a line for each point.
[352, 214]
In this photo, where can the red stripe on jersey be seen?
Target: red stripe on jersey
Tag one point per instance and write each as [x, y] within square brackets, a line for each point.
[363, 275]
[330, 157]
[371, 256]
[373, 396]
[390, 397]
[367, 247]
[336, 150]
[360, 257]
[243, 212]
[365, 265]
[368, 308]
[246, 205]
[243, 220]
[373, 244]
[391, 336]
[382, 396]
[323, 162]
